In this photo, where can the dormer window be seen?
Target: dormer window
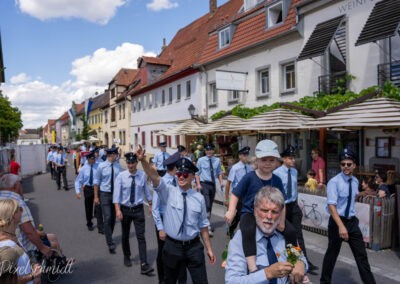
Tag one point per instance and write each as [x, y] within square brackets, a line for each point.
[275, 14]
[225, 37]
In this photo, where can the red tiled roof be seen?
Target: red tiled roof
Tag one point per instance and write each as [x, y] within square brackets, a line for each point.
[249, 32]
[124, 77]
[155, 60]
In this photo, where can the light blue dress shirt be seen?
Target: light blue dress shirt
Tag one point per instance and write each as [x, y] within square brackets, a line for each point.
[159, 159]
[196, 214]
[238, 171]
[338, 193]
[58, 159]
[236, 265]
[84, 176]
[103, 175]
[203, 164]
[50, 156]
[158, 208]
[122, 188]
[282, 172]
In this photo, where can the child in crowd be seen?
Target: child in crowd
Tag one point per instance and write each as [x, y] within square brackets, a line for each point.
[311, 183]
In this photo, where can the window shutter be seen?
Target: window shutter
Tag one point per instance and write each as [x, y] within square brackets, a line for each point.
[178, 140]
[169, 141]
[151, 138]
[143, 138]
[158, 140]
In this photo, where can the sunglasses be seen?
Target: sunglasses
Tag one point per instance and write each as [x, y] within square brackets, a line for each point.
[346, 164]
[182, 174]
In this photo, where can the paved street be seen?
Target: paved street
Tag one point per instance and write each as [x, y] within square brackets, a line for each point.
[61, 213]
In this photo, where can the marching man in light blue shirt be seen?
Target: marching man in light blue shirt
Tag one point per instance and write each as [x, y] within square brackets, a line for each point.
[129, 193]
[50, 160]
[60, 162]
[272, 264]
[85, 181]
[104, 181]
[185, 220]
[159, 159]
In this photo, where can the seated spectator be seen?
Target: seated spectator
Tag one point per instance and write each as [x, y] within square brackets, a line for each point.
[368, 187]
[311, 183]
[10, 217]
[383, 189]
[9, 256]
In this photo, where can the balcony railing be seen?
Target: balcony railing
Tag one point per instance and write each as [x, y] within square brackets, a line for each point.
[389, 72]
[332, 83]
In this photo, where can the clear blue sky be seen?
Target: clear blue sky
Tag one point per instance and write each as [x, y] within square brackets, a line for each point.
[63, 50]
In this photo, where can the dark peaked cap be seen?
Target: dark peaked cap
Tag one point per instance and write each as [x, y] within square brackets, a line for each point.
[185, 165]
[113, 150]
[244, 150]
[290, 151]
[347, 154]
[90, 155]
[162, 144]
[181, 148]
[131, 157]
[209, 146]
[171, 160]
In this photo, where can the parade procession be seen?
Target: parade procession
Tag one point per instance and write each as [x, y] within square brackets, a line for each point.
[259, 143]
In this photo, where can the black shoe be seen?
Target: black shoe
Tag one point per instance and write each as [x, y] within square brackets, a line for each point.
[111, 248]
[127, 261]
[101, 232]
[66, 188]
[90, 227]
[146, 268]
[312, 267]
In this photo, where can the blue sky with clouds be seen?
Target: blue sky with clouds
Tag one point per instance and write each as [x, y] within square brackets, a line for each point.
[56, 51]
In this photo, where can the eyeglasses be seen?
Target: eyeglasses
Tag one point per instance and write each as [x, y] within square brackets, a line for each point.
[184, 174]
[346, 164]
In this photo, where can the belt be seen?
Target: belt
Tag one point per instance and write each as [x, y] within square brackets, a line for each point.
[184, 243]
[131, 208]
[347, 219]
[208, 182]
[89, 187]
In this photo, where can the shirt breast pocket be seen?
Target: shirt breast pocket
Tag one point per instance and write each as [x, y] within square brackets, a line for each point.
[195, 213]
[343, 192]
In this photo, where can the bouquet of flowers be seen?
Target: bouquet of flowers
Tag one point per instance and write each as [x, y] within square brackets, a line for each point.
[293, 253]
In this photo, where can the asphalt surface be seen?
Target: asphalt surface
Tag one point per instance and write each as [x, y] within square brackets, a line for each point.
[62, 213]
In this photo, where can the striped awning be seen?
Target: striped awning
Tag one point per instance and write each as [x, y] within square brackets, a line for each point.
[184, 128]
[376, 112]
[225, 125]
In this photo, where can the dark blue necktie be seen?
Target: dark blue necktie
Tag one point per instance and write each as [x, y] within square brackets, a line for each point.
[112, 178]
[245, 168]
[132, 196]
[91, 176]
[184, 212]
[163, 155]
[62, 160]
[347, 212]
[271, 257]
[212, 171]
[174, 182]
[289, 185]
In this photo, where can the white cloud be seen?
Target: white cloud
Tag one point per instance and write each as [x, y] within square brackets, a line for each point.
[39, 101]
[97, 11]
[20, 78]
[157, 5]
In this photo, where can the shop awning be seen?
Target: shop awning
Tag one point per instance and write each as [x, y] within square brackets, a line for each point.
[383, 22]
[224, 125]
[276, 121]
[321, 38]
[188, 126]
[376, 112]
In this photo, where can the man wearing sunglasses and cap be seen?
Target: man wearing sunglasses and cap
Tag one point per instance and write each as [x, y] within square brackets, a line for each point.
[85, 181]
[185, 220]
[130, 190]
[343, 224]
[159, 159]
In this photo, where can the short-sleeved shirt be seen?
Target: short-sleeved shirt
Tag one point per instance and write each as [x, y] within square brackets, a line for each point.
[103, 175]
[26, 217]
[250, 185]
[83, 177]
[282, 172]
[14, 167]
[337, 193]
[158, 160]
[317, 164]
[237, 172]
[203, 164]
[196, 216]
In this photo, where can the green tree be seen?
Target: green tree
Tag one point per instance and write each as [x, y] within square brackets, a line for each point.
[10, 120]
[86, 128]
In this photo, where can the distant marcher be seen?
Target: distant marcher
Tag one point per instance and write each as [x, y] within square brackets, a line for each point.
[343, 223]
[383, 189]
[61, 168]
[159, 159]
[318, 165]
[51, 156]
[311, 183]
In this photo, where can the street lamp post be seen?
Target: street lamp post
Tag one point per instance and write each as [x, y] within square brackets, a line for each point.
[191, 110]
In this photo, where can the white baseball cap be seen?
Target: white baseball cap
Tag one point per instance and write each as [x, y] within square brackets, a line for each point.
[267, 148]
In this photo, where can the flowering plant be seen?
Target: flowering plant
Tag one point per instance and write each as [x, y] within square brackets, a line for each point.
[293, 253]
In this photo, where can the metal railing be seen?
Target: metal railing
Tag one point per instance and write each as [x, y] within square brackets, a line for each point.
[331, 83]
[389, 72]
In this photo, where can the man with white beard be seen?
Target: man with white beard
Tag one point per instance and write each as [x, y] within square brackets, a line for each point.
[271, 259]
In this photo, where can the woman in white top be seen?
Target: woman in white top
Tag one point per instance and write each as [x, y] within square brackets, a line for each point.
[10, 216]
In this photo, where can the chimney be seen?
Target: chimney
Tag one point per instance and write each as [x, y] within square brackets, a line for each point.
[213, 6]
[164, 43]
